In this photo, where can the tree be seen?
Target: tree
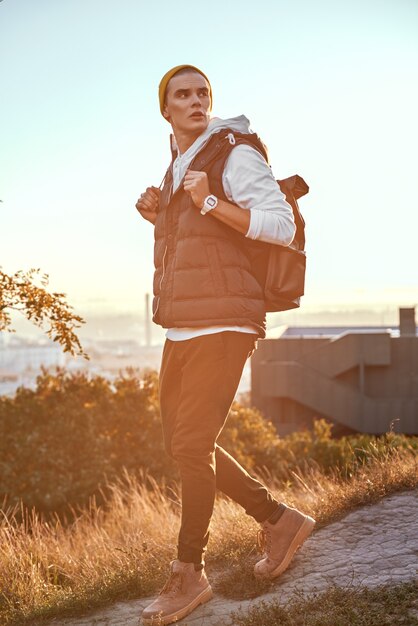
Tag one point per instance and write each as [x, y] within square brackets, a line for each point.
[27, 293]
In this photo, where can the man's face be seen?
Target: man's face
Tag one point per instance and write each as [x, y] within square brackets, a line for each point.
[187, 103]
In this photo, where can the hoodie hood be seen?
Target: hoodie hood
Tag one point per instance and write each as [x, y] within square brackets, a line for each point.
[240, 123]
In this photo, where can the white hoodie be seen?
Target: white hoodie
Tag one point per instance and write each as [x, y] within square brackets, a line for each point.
[248, 182]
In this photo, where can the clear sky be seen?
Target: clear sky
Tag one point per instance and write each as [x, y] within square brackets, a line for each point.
[330, 86]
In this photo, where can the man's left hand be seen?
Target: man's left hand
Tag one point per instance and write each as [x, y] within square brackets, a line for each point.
[197, 185]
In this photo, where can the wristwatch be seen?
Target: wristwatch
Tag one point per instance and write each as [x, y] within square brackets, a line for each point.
[209, 203]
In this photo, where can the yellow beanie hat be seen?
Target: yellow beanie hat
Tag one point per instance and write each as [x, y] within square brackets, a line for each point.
[168, 75]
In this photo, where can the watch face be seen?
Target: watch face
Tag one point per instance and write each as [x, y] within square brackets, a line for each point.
[211, 201]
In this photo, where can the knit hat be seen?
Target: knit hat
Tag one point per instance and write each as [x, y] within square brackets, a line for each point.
[168, 75]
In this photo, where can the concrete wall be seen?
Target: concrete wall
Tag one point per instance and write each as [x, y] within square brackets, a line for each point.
[365, 382]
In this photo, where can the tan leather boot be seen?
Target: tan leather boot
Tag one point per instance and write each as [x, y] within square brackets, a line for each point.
[184, 591]
[281, 540]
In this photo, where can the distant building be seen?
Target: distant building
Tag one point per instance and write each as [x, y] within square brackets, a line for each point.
[364, 379]
[21, 361]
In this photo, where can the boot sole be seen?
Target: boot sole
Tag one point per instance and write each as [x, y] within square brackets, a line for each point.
[302, 534]
[161, 620]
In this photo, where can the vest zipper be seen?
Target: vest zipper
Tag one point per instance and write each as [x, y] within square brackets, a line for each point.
[161, 280]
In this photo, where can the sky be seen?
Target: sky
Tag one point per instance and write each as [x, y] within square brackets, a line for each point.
[330, 86]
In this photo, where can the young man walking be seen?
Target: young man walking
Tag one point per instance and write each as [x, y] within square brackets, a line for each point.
[219, 200]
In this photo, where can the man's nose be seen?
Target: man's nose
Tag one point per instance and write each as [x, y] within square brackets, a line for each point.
[195, 100]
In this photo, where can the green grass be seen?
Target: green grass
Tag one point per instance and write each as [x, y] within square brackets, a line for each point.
[382, 606]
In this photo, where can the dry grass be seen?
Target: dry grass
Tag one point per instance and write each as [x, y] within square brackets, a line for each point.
[122, 550]
[326, 498]
[384, 606]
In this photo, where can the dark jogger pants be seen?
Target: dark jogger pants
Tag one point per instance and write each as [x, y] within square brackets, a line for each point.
[198, 381]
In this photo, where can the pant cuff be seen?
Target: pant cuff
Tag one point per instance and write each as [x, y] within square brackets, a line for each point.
[263, 513]
[191, 556]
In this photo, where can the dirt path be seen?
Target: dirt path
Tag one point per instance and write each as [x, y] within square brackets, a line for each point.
[373, 545]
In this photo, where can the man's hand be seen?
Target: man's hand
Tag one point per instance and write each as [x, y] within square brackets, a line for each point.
[147, 204]
[197, 185]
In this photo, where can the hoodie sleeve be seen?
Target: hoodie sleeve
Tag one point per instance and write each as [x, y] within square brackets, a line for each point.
[249, 182]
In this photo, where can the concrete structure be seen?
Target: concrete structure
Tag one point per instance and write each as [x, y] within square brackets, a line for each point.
[362, 379]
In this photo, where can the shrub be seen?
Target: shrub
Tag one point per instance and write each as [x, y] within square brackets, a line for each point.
[346, 455]
[60, 441]
[63, 441]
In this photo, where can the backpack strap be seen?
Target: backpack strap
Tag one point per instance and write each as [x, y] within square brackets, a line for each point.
[213, 157]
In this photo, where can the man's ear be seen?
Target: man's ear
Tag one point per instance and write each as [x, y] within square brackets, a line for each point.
[165, 113]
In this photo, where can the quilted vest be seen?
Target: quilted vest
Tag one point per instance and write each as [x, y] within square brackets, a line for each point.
[204, 273]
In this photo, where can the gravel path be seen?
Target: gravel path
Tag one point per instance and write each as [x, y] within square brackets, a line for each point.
[373, 545]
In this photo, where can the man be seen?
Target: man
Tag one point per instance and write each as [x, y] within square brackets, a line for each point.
[219, 200]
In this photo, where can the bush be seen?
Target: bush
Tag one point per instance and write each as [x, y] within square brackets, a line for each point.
[302, 450]
[61, 443]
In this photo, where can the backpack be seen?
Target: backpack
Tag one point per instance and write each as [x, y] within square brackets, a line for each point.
[286, 265]
[279, 269]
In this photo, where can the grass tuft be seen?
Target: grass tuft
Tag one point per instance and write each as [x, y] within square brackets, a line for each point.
[382, 606]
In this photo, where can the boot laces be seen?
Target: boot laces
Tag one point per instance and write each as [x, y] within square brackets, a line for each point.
[173, 584]
[264, 540]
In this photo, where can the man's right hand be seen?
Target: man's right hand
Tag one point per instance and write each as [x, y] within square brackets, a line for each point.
[147, 204]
